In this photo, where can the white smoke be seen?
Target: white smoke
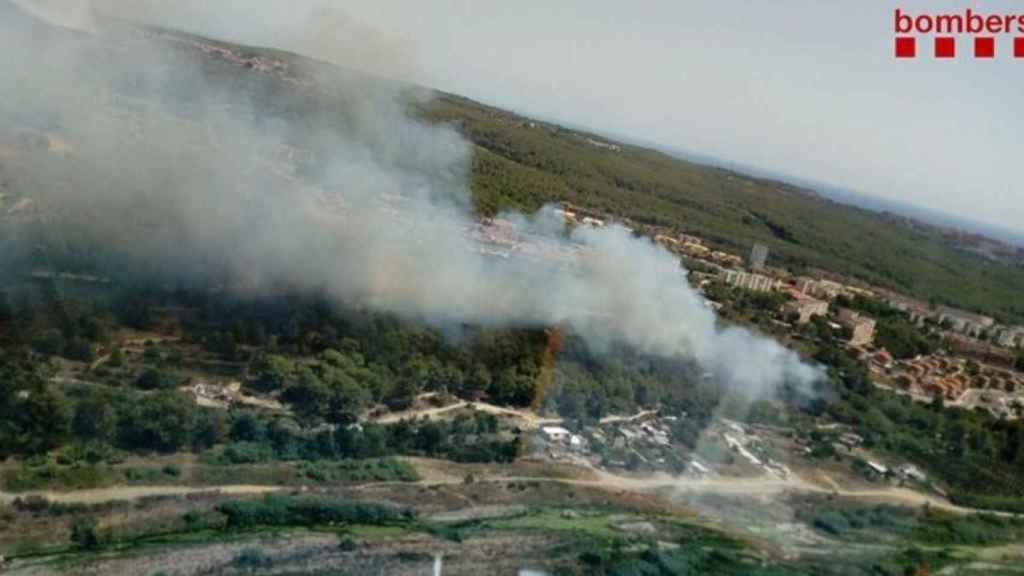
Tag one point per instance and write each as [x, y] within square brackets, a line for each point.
[353, 197]
[73, 14]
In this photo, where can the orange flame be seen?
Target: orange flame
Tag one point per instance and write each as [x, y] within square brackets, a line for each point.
[547, 362]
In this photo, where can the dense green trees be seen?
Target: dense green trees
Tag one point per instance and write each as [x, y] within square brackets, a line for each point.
[160, 423]
[331, 365]
[523, 164]
[34, 417]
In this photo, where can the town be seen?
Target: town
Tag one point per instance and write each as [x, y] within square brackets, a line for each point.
[976, 364]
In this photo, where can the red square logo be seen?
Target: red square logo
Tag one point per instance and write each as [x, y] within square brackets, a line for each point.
[906, 47]
[1018, 47]
[945, 47]
[984, 47]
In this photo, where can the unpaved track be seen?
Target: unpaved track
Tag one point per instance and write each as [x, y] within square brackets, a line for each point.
[432, 473]
[114, 493]
[530, 419]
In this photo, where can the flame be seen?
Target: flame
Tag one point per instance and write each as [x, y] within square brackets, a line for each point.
[547, 362]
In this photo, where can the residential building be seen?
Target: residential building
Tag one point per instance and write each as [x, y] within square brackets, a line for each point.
[805, 307]
[826, 289]
[695, 249]
[981, 351]
[1011, 337]
[916, 311]
[758, 256]
[964, 322]
[863, 328]
[755, 282]
[726, 259]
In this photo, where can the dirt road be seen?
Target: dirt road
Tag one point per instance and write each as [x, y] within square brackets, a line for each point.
[435, 473]
[529, 419]
[114, 493]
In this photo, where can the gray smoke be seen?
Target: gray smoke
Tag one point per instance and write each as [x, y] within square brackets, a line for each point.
[184, 161]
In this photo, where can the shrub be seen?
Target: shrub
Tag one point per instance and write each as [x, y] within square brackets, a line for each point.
[832, 522]
[252, 559]
[248, 453]
[84, 535]
[306, 511]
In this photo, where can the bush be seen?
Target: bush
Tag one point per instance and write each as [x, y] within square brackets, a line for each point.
[84, 534]
[154, 379]
[834, 523]
[307, 511]
[33, 504]
[252, 559]
[248, 453]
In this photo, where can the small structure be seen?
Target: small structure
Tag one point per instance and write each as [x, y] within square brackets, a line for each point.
[850, 440]
[911, 472]
[700, 468]
[556, 433]
[877, 468]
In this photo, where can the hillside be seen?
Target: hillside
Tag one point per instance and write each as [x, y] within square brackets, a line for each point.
[252, 323]
[522, 163]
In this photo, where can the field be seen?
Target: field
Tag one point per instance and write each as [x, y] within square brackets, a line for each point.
[507, 525]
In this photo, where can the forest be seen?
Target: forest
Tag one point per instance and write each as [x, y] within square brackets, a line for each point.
[523, 164]
[330, 365]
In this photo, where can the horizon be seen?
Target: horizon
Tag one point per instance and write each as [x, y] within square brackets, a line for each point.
[941, 135]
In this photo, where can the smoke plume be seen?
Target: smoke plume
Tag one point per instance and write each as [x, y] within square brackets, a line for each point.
[197, 162]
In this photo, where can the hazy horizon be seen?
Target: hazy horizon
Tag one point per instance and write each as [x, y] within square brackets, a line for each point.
[810, 91]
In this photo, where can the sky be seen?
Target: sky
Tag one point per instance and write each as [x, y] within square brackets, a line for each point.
[804, 88]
